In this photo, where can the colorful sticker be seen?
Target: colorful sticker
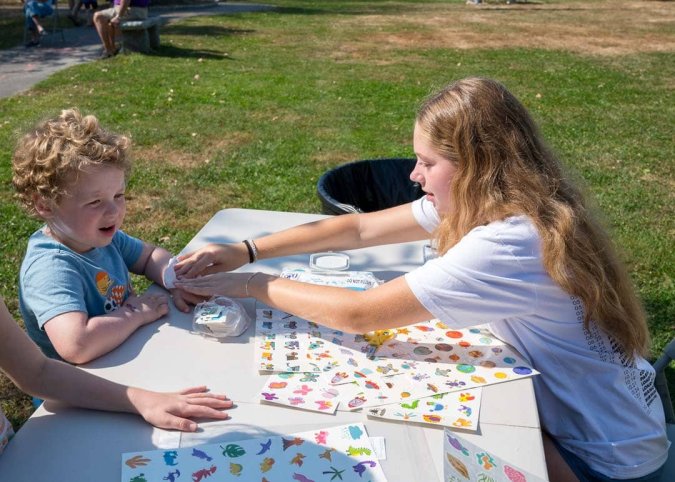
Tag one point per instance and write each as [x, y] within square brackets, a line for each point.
[458, 410]
[300, 390]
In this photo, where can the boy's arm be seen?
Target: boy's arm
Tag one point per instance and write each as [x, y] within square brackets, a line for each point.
[151, 263]
[80, 339]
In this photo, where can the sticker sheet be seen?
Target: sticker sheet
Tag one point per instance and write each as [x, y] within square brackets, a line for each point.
[440, 358]
[382, 367]
[455, 409]
[286, 343]
[309, 392]
[337, 453]
[374, 390]
[464, 461]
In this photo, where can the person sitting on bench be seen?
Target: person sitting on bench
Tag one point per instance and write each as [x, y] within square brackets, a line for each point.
[107, 22]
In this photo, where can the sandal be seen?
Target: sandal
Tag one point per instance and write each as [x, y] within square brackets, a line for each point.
[106, 55]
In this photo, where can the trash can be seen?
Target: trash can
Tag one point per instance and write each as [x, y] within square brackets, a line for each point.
[368, 185]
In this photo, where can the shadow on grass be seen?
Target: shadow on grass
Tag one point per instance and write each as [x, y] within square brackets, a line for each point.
[172, 51]
[210, 31]
[204, 30]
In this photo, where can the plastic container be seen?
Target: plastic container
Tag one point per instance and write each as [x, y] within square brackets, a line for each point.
[220, 317]
[329, 261]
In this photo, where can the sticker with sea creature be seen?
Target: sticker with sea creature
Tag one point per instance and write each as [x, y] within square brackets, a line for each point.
[336, 453]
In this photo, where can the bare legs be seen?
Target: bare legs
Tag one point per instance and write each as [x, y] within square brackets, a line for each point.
[38, 28]
[106, 31]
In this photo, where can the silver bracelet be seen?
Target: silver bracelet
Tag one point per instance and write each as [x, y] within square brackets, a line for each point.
[247, 282]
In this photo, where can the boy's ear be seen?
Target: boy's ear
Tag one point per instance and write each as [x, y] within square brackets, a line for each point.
[44, 207]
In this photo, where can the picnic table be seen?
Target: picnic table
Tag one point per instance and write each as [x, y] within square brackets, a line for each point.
[65, 443]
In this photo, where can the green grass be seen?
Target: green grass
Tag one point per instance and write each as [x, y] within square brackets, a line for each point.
[248, 110]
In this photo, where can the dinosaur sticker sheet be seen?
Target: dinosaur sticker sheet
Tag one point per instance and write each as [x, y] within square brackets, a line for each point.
[338, 453]
[464, 461]
[455, 409]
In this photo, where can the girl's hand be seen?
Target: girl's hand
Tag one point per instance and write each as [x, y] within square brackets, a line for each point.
[212, 258]
[232, 285]
[174, 410]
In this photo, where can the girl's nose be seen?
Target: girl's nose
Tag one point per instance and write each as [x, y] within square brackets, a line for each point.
[415, 176]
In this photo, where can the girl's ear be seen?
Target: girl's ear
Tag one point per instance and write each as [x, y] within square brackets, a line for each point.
[44, 207]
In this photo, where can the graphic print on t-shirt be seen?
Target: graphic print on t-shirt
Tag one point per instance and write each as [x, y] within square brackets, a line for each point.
[113, 293]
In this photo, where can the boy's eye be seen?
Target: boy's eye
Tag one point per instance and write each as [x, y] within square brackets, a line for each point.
[95, 203]
[119, 196]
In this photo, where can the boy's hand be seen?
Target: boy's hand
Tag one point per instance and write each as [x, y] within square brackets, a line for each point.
[149, 307]
[183, 299]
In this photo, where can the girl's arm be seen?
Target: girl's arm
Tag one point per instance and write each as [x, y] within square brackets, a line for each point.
[390, 305]
[38, 375]
[350, 231]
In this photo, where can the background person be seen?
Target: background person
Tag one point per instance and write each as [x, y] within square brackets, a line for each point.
[75, 5]
[34, 10]
[107, 22]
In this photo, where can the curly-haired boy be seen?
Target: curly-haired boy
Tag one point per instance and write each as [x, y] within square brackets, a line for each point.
[76, 297]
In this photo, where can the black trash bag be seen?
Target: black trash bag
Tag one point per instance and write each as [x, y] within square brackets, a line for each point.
[367, 186]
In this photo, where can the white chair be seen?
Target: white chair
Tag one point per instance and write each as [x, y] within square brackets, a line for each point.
[662, 387]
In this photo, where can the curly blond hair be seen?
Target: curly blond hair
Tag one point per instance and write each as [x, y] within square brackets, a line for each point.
[47, 160]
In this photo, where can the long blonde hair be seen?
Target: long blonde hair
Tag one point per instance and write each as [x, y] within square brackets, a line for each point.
[504, 168]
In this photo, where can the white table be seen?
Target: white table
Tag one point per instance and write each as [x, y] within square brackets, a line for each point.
[63, 443]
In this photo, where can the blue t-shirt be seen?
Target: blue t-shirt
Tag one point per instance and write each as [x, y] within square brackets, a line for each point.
[54, 280]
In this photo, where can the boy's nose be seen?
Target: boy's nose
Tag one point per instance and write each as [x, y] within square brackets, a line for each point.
[112, 208]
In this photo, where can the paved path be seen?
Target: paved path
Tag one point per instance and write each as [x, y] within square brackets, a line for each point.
[21, 67]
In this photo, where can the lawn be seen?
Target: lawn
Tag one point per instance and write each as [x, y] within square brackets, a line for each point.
[248, 110]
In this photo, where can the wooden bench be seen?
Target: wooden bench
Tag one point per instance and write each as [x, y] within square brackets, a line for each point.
[141, 35]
